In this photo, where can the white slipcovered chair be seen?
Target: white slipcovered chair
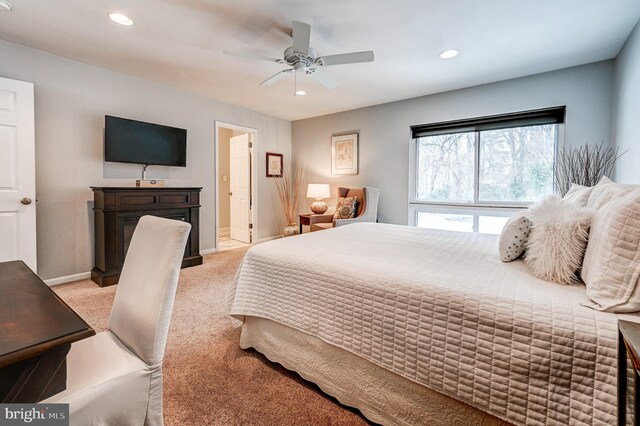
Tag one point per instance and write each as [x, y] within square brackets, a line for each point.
[115, 377]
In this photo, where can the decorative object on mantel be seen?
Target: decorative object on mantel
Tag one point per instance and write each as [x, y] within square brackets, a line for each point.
[584, 165]
[274, 164]
[318, 191]
[344, 154]
[289, 187]
[149, 183]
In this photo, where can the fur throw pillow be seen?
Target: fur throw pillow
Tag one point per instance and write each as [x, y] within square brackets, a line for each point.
[558, 239]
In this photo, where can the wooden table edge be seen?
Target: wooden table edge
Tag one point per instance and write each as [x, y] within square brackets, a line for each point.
[623, 327]
[29, 352]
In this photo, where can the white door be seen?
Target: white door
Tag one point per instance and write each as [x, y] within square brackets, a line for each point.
[239, 188]
[17, 173]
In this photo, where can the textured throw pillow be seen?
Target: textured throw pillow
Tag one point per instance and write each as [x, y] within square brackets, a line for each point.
[611, 268]
[346, 208]
[578, 194]
[513, 237]
[557, 240]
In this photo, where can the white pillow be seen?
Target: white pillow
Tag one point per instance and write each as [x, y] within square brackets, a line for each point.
[578, 194]
[611, 268]
[558, 239]
[513, 237]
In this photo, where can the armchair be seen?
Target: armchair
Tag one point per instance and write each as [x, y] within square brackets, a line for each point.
[366, 209]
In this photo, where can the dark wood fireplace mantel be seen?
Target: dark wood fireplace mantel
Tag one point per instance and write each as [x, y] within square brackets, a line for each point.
[116, 213]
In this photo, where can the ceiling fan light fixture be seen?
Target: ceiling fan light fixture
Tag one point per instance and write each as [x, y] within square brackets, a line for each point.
[449, 53]
[120, 18]
[300, 93]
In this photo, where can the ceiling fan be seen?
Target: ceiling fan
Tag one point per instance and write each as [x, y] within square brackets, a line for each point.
[302, 57]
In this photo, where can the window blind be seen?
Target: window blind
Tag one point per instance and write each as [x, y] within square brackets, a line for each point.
[537, 117]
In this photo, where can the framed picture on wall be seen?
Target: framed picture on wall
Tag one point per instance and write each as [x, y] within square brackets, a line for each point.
[274, 164]
[344, 154]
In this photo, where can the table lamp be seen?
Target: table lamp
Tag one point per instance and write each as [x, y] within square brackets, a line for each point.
[318, 191]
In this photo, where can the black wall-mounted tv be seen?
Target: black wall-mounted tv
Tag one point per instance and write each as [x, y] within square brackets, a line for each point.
[130, 141]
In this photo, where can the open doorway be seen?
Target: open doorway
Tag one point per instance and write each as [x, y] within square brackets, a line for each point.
[235, 206]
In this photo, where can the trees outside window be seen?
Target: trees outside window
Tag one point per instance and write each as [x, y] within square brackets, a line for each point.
[490, 166]
[512, 165]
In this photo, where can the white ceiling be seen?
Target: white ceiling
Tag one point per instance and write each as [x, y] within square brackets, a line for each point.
[180, 42]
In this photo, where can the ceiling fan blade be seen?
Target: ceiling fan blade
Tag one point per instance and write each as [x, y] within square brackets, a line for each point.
[345, 58]
[252, 56]
[301, 36]
[277, 77]
[323, 79]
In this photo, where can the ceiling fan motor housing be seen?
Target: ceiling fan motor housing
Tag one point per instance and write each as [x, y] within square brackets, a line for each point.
[299, 60]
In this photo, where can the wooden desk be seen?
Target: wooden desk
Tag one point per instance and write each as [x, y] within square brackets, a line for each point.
[628, 346]
[36, 332]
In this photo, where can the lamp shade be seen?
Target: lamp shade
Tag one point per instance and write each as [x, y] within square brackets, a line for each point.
[318, 191]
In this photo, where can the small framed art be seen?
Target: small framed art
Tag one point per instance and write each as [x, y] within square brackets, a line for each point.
[274, 164]
[344, 154]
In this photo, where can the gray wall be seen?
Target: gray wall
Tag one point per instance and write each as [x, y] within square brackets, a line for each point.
[626, 109]
[71, 100]
[385, 135]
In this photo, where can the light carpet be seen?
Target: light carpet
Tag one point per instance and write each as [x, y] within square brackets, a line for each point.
[208, 379]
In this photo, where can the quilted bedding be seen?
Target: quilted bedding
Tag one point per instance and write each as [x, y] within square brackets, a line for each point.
[440, 308]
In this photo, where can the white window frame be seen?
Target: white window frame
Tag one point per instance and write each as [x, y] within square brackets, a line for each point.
[475, 211]
[475, 207]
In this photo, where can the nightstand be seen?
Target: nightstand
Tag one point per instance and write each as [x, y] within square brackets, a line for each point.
[628, 346]
[305, 219]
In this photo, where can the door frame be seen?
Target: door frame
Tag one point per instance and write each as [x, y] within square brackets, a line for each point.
[254, 181]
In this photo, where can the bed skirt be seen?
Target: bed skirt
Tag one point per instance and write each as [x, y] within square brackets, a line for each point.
[382, 396]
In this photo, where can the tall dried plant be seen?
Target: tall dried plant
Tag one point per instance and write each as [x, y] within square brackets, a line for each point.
[584, 165]
[289, 187]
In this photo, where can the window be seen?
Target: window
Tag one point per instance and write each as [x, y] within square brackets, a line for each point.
[490, 222]
[499, 161]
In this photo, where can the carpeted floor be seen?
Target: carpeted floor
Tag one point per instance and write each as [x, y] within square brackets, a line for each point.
[208, 379]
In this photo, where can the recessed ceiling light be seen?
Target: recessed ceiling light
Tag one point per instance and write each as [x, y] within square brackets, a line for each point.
[5, 6]
[120, 19]
[300, 93]
[448, 54]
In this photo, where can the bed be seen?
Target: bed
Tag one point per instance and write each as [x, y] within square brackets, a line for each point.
[415, 326]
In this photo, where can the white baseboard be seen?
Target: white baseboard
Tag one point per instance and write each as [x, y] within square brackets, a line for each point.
[87, 275]
[68, 278]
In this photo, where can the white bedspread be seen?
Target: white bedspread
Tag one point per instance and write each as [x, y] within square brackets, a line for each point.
[441, 309]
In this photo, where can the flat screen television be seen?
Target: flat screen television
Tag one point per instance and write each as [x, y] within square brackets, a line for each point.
[131, 141]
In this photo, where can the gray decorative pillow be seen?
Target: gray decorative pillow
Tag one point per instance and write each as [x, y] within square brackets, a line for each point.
[514, 237]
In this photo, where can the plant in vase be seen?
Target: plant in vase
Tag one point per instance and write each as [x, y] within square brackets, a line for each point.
[289, 187]
[584, 165]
